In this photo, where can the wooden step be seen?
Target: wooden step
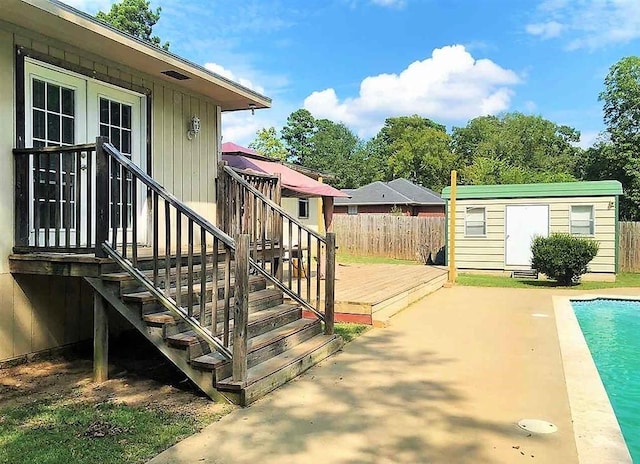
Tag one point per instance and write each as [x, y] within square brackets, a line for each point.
[259, 322]
[143, 297]
[258, 301]
[277, 371]
[262, 347]
[130, 285]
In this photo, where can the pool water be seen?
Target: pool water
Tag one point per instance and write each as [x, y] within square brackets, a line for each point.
[612, 331]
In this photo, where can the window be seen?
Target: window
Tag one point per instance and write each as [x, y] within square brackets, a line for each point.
[582, 220]
[352, 209]
[303, 208]
[475, 224]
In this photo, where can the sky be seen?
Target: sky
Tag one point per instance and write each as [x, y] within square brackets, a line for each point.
[361, 61]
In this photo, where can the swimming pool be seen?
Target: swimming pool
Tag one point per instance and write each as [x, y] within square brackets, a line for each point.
[612, 331]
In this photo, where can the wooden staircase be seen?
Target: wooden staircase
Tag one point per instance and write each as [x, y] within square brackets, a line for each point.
[209, 296]
[281, 343]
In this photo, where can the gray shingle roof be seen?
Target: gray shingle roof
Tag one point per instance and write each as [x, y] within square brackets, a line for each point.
[395, 192]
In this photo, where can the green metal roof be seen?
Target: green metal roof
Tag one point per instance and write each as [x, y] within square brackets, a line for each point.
[559, 189]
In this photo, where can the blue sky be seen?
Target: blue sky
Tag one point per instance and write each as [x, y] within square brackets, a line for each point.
[360, 61]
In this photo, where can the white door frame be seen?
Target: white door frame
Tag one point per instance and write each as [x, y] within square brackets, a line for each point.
[87, 94]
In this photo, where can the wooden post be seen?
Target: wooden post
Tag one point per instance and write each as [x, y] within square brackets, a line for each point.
[102, 197]
[241, 310]
[21, 232]
[452, 229]
[100, 339]
[329, 284]
[221, 204]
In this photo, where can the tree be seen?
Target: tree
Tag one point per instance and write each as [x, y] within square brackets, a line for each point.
[268, 144]
[134, 17]
[297, 134]
[515, 148]
[619, 157]
[422, 155]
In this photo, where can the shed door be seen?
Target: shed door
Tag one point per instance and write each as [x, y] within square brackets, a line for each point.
[523, 222]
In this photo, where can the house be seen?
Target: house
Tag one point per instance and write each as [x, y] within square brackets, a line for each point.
[495, 224]
[112, 151]
[397, 196]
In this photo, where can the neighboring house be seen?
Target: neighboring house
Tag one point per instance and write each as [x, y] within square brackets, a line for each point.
[397, 196]
[303, 196]
[495, 224]
[125, 225]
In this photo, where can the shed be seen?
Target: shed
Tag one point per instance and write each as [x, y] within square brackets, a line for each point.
[494, 224]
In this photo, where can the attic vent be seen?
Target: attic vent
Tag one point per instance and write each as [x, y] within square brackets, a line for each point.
[175, 75]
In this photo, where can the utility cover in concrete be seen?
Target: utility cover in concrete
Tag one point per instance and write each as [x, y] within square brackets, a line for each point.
[537, 426]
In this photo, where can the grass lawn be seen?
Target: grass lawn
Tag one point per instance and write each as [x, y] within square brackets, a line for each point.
[627, 279]
[350, 331]
[55, 430]
[344, 258]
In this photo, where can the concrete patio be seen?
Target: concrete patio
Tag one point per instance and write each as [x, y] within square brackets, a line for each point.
[446, 382]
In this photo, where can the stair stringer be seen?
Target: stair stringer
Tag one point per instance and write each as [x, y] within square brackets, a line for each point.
[203, 379]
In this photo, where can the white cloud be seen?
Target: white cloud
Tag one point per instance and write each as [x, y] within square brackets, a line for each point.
[224, 72]
[589, 24]
[545, 30]
[450, 86]
[389, 3]
[588, 138]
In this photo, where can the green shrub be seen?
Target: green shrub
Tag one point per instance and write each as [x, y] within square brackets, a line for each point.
[563, 257]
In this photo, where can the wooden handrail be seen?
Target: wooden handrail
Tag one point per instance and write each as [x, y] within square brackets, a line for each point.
[167, 302]
[63, 149]
[271, 204]
[168, 196]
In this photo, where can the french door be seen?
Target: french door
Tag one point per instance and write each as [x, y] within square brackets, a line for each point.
[64, 109]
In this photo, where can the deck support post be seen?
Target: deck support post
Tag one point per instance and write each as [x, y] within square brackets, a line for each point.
[102, 196]
[241, 310]
[100, 339]
[329, 282]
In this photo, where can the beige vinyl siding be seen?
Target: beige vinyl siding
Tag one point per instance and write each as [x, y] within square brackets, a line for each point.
[37, 312]
[488, 252]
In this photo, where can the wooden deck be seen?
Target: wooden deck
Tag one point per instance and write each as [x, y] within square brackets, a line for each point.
[372, 293]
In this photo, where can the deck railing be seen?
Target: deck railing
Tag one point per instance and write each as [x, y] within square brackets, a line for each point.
[54, 198]
[190, 280]
[293, 257]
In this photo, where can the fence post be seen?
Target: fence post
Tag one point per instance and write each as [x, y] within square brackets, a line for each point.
[329, 284]
[241, 310]
[102, 196]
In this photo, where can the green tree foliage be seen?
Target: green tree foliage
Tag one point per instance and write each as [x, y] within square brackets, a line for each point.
[515, 148]
[422, 155]
[618, 156]
[563, 257]
[135, 17]
[336, 150]
[268, 144]
[388, 153]
[297, 134]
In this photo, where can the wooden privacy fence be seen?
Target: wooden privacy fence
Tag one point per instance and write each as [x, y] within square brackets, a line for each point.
[400, 237]
[629, 251]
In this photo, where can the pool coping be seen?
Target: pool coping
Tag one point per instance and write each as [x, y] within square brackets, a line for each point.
[598, 436]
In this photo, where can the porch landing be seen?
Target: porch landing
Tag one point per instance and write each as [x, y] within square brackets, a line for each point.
[372, 293]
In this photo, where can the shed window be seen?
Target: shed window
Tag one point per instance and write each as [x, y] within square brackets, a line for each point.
[475, 224]
[582, 220]
[303, 208]
[352, 209]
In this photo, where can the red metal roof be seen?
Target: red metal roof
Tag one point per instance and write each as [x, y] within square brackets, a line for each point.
[292, 180]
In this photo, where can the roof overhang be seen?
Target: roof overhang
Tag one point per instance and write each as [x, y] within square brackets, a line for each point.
[345, 202]
[65, 24]
[559, 189]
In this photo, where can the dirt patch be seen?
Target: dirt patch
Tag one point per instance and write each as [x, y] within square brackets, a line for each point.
[139, 377]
